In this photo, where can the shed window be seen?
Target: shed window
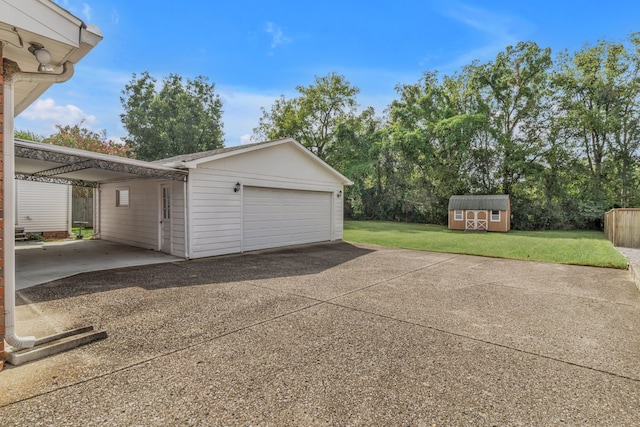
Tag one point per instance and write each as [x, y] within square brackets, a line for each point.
[495, 216]
[457, 215]
[122, 197]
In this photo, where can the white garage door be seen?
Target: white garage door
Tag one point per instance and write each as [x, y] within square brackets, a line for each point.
[274, 217]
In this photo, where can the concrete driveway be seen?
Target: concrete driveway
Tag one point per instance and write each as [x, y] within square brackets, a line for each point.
[335, 334]
[42, 262]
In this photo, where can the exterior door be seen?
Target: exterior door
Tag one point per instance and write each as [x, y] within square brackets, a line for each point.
[481, 220]
[165, 219]
[476, 220]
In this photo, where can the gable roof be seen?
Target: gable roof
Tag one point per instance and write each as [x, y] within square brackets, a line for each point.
[202, 154]
[191, 161]
[496, 202]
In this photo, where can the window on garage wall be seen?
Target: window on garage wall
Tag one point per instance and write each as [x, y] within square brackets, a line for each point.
[122, 197]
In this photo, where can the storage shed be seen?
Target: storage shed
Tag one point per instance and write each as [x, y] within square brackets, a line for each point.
[480, 213]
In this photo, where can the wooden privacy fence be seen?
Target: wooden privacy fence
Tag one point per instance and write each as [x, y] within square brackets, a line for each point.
[622, 227]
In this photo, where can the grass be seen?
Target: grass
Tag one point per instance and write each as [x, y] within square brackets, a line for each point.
[561, 247]
[86, 232]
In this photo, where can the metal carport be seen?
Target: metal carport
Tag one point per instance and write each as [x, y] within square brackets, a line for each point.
[36, 161]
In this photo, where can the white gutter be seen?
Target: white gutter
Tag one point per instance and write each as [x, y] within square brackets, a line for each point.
[9, 198]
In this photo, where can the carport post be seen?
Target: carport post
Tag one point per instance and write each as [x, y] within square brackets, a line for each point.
[2, 355]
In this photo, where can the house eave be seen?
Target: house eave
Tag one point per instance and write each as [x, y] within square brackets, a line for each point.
[66, 37]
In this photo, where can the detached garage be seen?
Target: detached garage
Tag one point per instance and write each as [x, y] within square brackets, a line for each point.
[257, 196]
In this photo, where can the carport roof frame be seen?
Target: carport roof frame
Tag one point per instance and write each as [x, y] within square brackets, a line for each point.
[71, 160]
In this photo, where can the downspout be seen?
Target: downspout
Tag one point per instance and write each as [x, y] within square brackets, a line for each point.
[69, 210]
[9, 195]
[186, 221]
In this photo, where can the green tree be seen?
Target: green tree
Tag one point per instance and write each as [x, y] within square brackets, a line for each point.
[599, 92]
[514, 93]
[365, 156]
[28, 135]
[626, 138]
[313, 117]
[437, 129]
[85, 139]
[179, 118]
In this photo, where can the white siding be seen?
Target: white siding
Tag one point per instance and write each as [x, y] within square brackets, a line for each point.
[338, 215]
[275, 217]
[217, 211]
[136, 224]
[139, 223]
[215, 214]
[281, 163]
[42, 206]
[177, 219]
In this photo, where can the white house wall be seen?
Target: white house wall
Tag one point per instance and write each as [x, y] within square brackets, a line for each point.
[216, 219]
[216, 210]
[338, 216]
[178, 239]
[138, 223]
[42, 206]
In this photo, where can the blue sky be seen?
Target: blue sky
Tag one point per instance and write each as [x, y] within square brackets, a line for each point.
[255, 51]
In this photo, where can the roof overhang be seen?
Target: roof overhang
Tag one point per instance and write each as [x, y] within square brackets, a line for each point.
[253, 147]
[480, 202]
[37, 161]
[67, 38]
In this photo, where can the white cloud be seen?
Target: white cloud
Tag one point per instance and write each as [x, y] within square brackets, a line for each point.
[86, 11]
[277, 35]
[115, 17]
[77, 8]
[47, 110]
[245, 139]
[42, 116]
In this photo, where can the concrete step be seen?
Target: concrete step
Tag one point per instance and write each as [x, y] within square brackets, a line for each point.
[53, 344]
[20, 234]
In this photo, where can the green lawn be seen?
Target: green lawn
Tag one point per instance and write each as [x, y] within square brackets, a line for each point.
[563, 247]
[86, 232]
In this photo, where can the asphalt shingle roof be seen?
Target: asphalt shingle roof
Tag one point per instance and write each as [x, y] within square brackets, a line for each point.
[202, 154]
[499, 202]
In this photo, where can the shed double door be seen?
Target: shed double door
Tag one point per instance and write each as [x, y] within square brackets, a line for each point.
[278, 217]
[476, 220]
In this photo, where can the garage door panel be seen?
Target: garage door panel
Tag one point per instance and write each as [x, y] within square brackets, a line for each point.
[276, 217]
[278, 232]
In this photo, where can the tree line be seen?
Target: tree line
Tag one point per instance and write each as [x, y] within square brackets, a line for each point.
[559, 133]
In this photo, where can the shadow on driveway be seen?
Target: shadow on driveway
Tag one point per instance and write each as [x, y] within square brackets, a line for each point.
[258, 265]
